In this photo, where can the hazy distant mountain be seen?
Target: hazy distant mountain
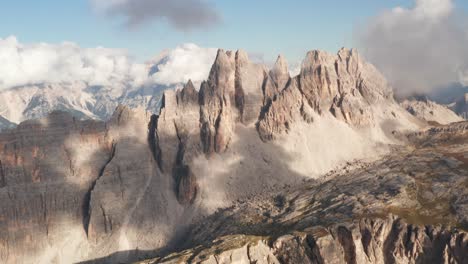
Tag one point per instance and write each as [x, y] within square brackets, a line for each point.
[82, 101]
[430, 111]
[455, 96]
[79, 98]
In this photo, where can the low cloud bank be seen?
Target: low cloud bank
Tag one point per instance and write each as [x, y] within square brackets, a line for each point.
[419, 49]
[23, 64]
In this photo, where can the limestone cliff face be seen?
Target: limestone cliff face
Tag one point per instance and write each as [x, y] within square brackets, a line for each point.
[89, 189]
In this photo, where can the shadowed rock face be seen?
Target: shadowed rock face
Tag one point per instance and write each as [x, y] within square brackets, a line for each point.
[133, 185]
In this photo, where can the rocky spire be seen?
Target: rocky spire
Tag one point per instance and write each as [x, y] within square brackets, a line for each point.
[222, 72]
[216, 97]
[280, 72]
[188, 94]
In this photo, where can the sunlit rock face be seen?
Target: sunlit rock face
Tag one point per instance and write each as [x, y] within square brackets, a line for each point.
[126, 188]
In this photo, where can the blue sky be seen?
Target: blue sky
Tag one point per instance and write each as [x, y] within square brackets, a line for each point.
[260, 26]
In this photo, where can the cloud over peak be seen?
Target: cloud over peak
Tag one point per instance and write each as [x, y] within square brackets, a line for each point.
[420, 48]
[184, 15]
[23, 64]
[185, 62]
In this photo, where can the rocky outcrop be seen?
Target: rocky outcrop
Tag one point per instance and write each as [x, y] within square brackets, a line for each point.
[389, 240]
[431, 112]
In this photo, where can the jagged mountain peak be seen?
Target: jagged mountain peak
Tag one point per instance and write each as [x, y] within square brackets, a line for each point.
[280, 72]
[281, 64]
[188, 94]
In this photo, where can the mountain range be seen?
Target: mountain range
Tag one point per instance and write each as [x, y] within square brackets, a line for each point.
[81, 99]
[252, 165]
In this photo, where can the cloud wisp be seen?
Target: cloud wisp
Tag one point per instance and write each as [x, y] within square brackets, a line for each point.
[419, 49]
[183, 15]
[23, 64]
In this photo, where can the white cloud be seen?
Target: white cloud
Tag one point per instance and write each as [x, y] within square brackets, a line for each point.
[22, 64]
[181, 14]
[420, 48]
[185, 62]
